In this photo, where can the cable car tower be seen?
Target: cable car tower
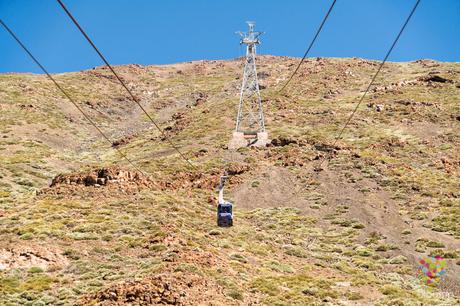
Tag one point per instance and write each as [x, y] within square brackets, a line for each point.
[250, 124]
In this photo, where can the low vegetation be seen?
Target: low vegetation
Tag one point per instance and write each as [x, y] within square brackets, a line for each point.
[314, 223]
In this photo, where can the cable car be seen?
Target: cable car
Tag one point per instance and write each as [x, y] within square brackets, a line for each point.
[224, 208]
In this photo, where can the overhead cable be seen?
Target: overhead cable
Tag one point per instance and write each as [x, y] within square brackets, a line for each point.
[67, 95]
[133, 97]
[376, 73]
[310, 46]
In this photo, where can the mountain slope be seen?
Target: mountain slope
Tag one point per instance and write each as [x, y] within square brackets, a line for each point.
[347, 231]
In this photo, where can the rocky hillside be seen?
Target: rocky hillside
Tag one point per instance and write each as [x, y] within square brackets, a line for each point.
[314, 223]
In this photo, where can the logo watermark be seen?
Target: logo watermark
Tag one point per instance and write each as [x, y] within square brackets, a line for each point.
[431, 270]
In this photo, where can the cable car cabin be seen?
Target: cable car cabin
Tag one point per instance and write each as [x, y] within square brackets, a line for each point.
[224, 214]
[224, 208]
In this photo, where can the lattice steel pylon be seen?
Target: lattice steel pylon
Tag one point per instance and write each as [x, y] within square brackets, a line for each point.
[250, 123]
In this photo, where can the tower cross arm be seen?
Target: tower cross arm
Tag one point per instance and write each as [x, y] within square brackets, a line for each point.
[251, 37]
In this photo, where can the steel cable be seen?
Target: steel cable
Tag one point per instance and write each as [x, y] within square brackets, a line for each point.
[311, 45]
[67, 95]
[136, 100]
[376, 74]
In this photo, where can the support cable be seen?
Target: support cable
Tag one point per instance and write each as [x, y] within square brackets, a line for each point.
[67, 95]
[376, 74]
[310, 46]
[136, 100]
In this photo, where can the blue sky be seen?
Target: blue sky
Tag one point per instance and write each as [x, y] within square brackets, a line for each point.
[169, 31]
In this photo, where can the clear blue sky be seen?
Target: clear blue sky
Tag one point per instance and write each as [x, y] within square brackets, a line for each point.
[169, 31]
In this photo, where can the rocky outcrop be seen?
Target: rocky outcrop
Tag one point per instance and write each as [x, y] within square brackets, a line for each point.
[122, 141]
[102, 177]
[101, 182]
[431, 80]
[283, 141]
[171, 289]
[22, 256]
[434, 78]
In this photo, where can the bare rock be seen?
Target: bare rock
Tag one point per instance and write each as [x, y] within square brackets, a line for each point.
[434, 78]
[20, 256]
[283, 141]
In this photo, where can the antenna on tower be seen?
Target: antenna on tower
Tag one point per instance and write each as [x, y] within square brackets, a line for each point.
[251, 37]
[250, 123]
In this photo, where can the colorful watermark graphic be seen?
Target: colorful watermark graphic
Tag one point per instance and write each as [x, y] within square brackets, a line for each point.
[432, 269]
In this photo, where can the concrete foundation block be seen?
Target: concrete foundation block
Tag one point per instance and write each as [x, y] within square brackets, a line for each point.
[262, 136]
[237, 141]
[262, 139]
